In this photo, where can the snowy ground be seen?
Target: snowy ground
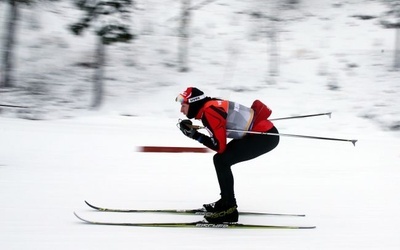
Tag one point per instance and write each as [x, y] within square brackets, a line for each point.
[49, 167]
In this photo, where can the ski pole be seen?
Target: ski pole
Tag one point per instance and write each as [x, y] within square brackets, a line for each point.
[289, 135]
[284, 118]
[294, 135]
[301, 116]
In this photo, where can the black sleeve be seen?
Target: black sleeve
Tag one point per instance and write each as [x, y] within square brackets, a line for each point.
[207, 141]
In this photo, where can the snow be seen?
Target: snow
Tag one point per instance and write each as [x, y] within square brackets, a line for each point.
[49, 167]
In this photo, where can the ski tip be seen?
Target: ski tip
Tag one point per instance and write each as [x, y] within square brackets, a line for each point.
[354, 142]
[77, 216]
[82, 219]
[90, 205]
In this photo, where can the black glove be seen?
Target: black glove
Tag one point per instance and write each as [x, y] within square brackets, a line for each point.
[186, 127]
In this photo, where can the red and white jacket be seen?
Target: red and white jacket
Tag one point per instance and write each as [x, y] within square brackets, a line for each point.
[220, 116]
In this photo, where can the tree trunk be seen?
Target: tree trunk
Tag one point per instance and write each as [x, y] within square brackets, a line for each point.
[274, 49]
[397, 50]
[273, 39]
[98, 83]
[184, 37]
[6, 80]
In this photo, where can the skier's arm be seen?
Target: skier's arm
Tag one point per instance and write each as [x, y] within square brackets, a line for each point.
[215, 123]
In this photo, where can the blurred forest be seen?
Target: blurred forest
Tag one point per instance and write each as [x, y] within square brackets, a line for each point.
[62, 54]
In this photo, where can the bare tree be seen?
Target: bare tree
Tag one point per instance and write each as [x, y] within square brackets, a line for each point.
[267, 14]
[184, 36]
[7, 64]
[110, 22]
[183, 49]
[391, 20]
[273, 36]
[275, 20]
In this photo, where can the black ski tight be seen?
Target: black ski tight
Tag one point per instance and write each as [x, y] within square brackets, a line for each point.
[239, 150]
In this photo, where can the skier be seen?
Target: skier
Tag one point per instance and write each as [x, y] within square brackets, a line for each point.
[226, 119]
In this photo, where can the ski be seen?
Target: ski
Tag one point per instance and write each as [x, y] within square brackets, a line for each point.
[194, 224]
[199, 211]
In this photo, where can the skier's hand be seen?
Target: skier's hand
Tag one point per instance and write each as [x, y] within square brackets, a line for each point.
[186, 127]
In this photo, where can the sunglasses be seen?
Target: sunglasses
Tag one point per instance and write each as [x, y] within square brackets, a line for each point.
[181, 99]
